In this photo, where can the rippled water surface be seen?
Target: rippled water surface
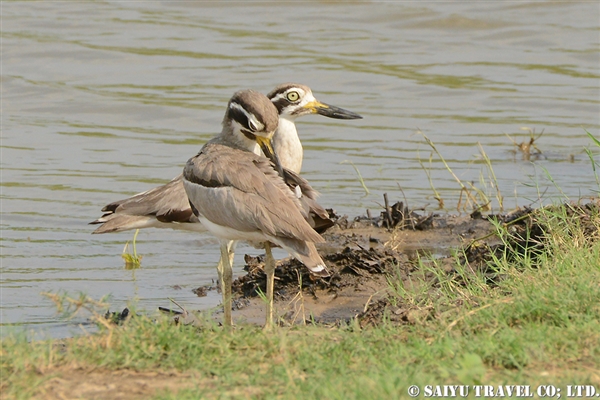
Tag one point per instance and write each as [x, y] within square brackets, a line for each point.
[106, 99]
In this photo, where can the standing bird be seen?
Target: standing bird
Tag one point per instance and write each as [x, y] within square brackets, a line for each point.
[239, 195]
[167, 206]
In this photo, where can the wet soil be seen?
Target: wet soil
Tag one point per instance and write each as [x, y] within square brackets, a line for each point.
[362, 253]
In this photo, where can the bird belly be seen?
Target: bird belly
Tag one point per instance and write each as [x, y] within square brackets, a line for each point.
[227, 233]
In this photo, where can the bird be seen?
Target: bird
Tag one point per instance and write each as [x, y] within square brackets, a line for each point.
[238, 194]
[294, 100]
[167, 206]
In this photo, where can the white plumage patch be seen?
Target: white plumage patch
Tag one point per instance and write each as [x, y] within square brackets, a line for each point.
[227, 233]
[318, 268]
[255, 124]
[284, 94]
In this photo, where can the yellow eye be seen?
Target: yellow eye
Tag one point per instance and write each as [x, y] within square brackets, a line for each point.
[293, 96]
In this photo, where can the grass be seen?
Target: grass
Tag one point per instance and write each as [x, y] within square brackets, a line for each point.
[132, 260]
[475, 199]
[525, 148]
[539, 324]
[436, 195]
[471, 199]
[358, 174]
[493, 181]
[590, 155]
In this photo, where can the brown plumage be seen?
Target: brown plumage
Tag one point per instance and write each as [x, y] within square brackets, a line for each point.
[318, 217]
[244, 192]
[240, 195]
[270, 211]
[167, 206]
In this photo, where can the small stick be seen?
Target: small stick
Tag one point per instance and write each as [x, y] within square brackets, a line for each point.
[387, 209]
[177, 304]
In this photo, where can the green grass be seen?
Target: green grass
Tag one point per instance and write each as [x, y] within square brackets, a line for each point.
[132, 260]
[539, 324]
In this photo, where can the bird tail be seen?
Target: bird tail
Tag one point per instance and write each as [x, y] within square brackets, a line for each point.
[121, 222]
[306, 252]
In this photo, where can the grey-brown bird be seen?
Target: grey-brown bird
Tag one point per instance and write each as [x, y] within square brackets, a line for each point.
[167, 206]
[239, 195]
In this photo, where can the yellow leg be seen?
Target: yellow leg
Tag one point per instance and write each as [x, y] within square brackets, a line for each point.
[231, 250]
[226, 276]
[220, 273]
[270, 272]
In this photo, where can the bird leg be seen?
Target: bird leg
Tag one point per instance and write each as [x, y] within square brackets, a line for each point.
[226, 276]
[270, 272]
[231, 250]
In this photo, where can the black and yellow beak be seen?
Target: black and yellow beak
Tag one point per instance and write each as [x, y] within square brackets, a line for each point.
[330, 111]
[267, 148]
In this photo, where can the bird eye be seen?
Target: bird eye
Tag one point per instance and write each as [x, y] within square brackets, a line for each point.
[293, 96]
[252, 125]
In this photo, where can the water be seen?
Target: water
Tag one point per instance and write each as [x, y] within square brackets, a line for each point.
[106, 99]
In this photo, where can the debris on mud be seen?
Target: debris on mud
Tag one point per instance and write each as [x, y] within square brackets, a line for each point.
[364, 252]
[526, 234]
[116, 317]
[200, 291]
[397, 216]
[401, 314]
[528, 149]
[348, 267]
[183, 317]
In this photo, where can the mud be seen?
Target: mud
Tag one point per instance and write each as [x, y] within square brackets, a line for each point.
[363, 252]
[72, 382]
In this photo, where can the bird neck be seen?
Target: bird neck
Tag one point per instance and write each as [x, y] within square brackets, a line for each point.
[287, 145]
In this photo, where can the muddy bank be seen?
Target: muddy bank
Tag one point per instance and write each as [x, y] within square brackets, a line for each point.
[363, 252]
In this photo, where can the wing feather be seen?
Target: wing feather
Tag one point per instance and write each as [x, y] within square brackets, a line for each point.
[243, 191]
[169, 203]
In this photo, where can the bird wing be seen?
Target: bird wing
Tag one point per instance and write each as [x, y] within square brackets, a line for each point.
[318, 217]
[308, 195]
[169, 203]
[243, 191]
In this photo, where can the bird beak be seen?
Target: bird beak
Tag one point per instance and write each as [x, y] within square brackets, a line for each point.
[331, 111]
[267, 148]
